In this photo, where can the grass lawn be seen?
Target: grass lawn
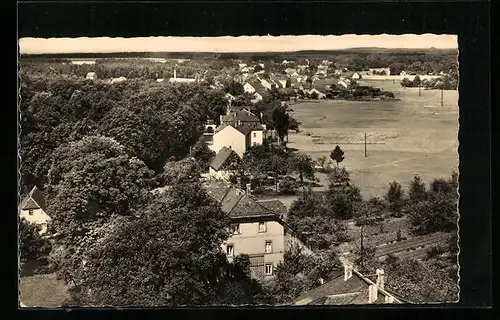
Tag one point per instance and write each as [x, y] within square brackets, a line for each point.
[42, 290]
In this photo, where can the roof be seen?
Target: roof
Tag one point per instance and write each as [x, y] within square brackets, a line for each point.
[274, 205]
[256, 85]
[341, 292]
[34, 200]
[236, 202]
[240, 115]
[222, 158]
[247, 128]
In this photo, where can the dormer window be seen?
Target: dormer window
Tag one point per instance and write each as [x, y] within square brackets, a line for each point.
[262, 227]
[30, 212]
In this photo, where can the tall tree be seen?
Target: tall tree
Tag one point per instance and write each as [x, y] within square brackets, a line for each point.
[281, 121]
[337, 155]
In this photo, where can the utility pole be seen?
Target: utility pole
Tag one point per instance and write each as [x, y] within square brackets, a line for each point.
[441, 97]
[365, 144]
[362, 248]
[419, 91]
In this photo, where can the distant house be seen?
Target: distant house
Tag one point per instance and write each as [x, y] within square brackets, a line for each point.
[181, 80]
[337, 72]
[291, 72]
[118, 80]
[34, 209]
[230, 98]
[160, 80]
[257, 97]
[321, 95]
[265, 84]
[253, 86]
[283, 83]
[238, 137]
[356, 76]
[258, 231]
[403, 73]
[285, 62]
[242, 65]
[91, 76]
[380, 71]
[301, 68]
[349, 287]
[245, 70]
[343, 84]
[315, 78]
[226, 163]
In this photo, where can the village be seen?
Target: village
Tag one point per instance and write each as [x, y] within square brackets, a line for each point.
[247, 159]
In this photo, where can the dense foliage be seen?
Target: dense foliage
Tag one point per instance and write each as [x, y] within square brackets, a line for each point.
[31, 244]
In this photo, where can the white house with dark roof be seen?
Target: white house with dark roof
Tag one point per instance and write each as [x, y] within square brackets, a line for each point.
[34, 210]
[226, 163]
[238, 137]
[257, 231]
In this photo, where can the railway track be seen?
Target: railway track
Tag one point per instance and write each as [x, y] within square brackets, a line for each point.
[419, 243]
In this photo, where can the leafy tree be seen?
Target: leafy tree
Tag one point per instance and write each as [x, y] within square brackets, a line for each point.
[416, 81]
[338, 177]
[169, 256]
[302, 164]
[337, 155]
[281, 121]
[418, 191]
[406, 83]
[321, 161]
[395, 197]
[186, 170]
[91, 180]
[31, 244]
[288, 186]
[342, 202]
[438, 213]
[202, 154]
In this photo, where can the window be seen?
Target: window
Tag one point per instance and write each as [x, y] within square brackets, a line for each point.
[230, 250]
[236, 229]
[30, 212]
[269, 247]
[269, 269]
[262, 227]
[254, 143]
[255, 135]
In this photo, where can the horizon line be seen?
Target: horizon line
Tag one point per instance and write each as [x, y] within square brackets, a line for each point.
[226, 44]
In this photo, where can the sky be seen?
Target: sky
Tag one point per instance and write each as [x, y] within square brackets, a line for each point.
[234, 44]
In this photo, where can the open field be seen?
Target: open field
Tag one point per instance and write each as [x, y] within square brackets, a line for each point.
[415, 135]
[42, 290]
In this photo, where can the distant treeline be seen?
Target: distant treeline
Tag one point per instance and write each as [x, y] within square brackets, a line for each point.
[319, 54]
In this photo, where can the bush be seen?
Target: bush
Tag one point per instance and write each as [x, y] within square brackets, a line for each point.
[288, 186]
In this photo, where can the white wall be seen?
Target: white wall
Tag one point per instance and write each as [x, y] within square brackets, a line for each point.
[252, 242]
[39, 217]
[248, 88]
[258, 139]
[219, 175]
[231, 138]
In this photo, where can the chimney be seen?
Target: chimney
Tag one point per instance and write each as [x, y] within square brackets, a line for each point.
[347, 272]
[175, 74]
[380, 278]
[220, 118]
[248, 188]
[372, 293]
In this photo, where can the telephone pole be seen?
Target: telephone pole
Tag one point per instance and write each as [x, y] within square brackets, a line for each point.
[365, 144]
[419, 91]
[441, 97]
[362, 259]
